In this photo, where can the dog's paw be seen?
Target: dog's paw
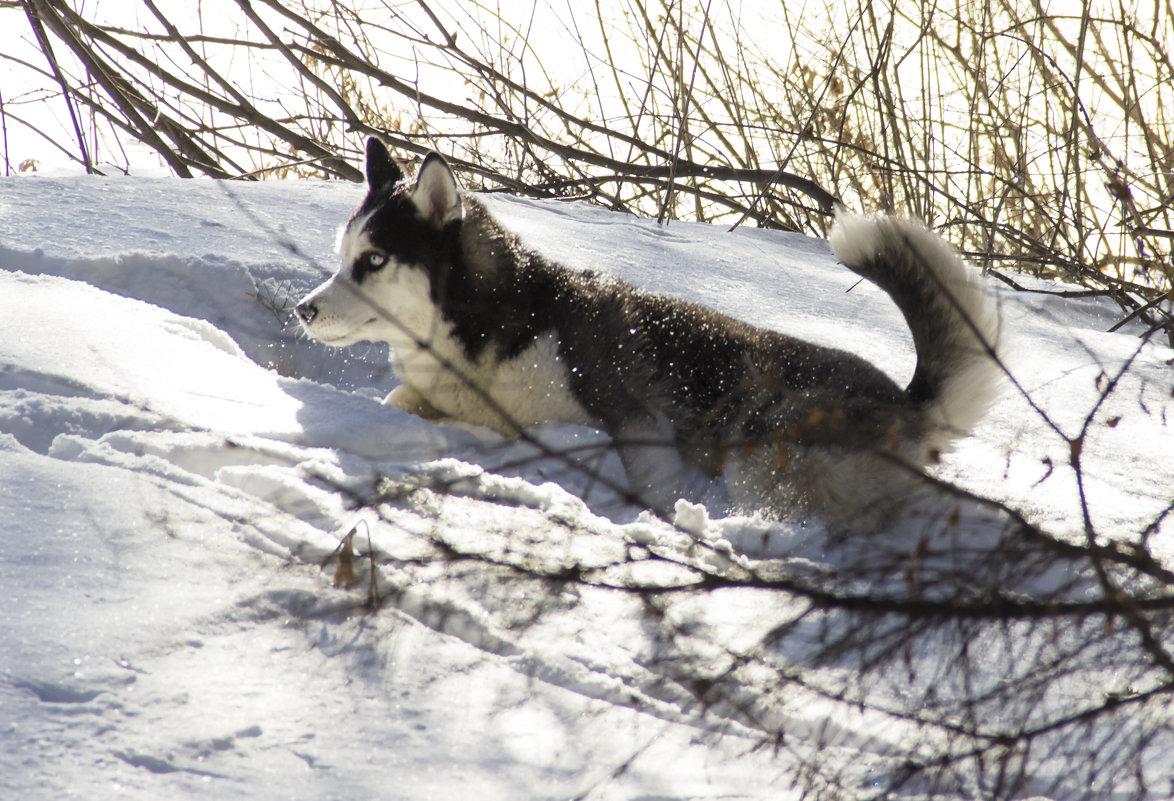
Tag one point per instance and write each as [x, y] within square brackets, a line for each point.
[411, 401]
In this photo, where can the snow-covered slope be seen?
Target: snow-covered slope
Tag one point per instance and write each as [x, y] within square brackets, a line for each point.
[177, 463]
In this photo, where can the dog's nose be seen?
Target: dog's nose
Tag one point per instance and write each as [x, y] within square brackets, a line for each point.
[307, 311]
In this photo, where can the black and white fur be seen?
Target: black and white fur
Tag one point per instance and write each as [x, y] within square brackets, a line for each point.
[487, 332]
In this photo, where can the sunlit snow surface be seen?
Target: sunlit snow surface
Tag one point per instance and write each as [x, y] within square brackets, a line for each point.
[177, 462]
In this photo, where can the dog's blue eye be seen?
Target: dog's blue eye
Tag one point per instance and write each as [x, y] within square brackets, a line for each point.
[375, 260]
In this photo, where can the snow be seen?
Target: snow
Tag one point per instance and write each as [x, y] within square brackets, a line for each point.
[179, 466]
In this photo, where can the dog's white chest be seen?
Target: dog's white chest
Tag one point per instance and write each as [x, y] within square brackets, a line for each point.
[503, 394]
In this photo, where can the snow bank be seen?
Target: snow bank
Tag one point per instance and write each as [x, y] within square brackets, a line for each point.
[180, 466]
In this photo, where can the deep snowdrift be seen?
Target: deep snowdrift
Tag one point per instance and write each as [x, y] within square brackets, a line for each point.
[177, 463]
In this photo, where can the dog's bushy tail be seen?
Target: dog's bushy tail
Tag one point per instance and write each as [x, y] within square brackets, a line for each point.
[952, 318]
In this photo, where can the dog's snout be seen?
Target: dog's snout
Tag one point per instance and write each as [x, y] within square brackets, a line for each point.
[307, 310]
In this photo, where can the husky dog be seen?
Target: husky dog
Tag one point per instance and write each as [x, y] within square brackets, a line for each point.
[486, 332]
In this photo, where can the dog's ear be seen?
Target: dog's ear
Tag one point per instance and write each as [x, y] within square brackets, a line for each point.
[436, 195]
[382, 169]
